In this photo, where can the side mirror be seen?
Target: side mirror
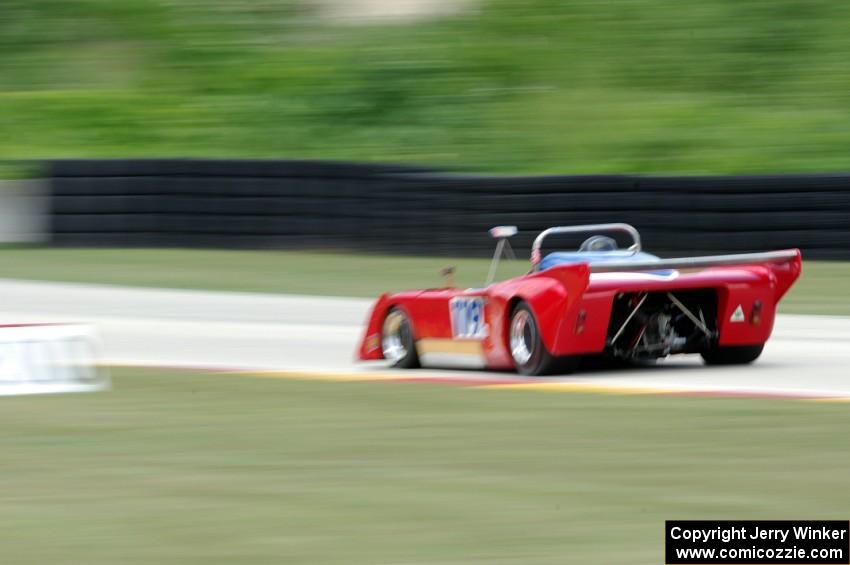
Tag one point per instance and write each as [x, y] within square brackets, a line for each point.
[449, 273]
[503, 232]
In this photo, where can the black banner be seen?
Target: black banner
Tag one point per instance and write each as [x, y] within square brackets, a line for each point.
[694, 542]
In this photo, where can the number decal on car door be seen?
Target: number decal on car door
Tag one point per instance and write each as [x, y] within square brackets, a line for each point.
[467, 315]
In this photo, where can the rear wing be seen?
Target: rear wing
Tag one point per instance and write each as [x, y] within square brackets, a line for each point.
[768, 257]
[785, 265]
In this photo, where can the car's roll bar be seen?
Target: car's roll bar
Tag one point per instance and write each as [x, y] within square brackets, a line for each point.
[634, 248]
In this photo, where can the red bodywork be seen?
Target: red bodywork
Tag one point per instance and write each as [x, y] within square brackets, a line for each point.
[573, 307]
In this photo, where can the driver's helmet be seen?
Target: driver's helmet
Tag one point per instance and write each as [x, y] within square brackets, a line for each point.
[599, 243]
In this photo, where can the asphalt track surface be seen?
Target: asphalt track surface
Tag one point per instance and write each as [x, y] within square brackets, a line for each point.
[315, 337]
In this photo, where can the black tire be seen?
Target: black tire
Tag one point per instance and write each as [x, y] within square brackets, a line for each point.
[539, 361]
[397, 342]
[732, 355]
[567, 364]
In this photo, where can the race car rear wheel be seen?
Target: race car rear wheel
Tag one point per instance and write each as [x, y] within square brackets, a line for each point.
[732, 355]
[397, 342]
[529, 354]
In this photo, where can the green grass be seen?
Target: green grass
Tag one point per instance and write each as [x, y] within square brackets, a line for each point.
[821, 290]
[197, 468]
[298, 272]
[540, 86]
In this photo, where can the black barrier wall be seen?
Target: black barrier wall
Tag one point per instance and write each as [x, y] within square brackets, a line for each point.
[379, 208]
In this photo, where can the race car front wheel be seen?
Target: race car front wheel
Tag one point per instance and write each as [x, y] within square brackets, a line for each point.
[732, 355]
[529, 354]
[397, 342]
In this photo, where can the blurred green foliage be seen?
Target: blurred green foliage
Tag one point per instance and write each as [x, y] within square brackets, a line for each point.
[536, 86]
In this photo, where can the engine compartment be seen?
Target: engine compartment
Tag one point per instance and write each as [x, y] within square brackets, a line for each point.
[651, 325]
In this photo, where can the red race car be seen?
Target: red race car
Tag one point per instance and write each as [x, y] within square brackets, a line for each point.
[601, 301]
